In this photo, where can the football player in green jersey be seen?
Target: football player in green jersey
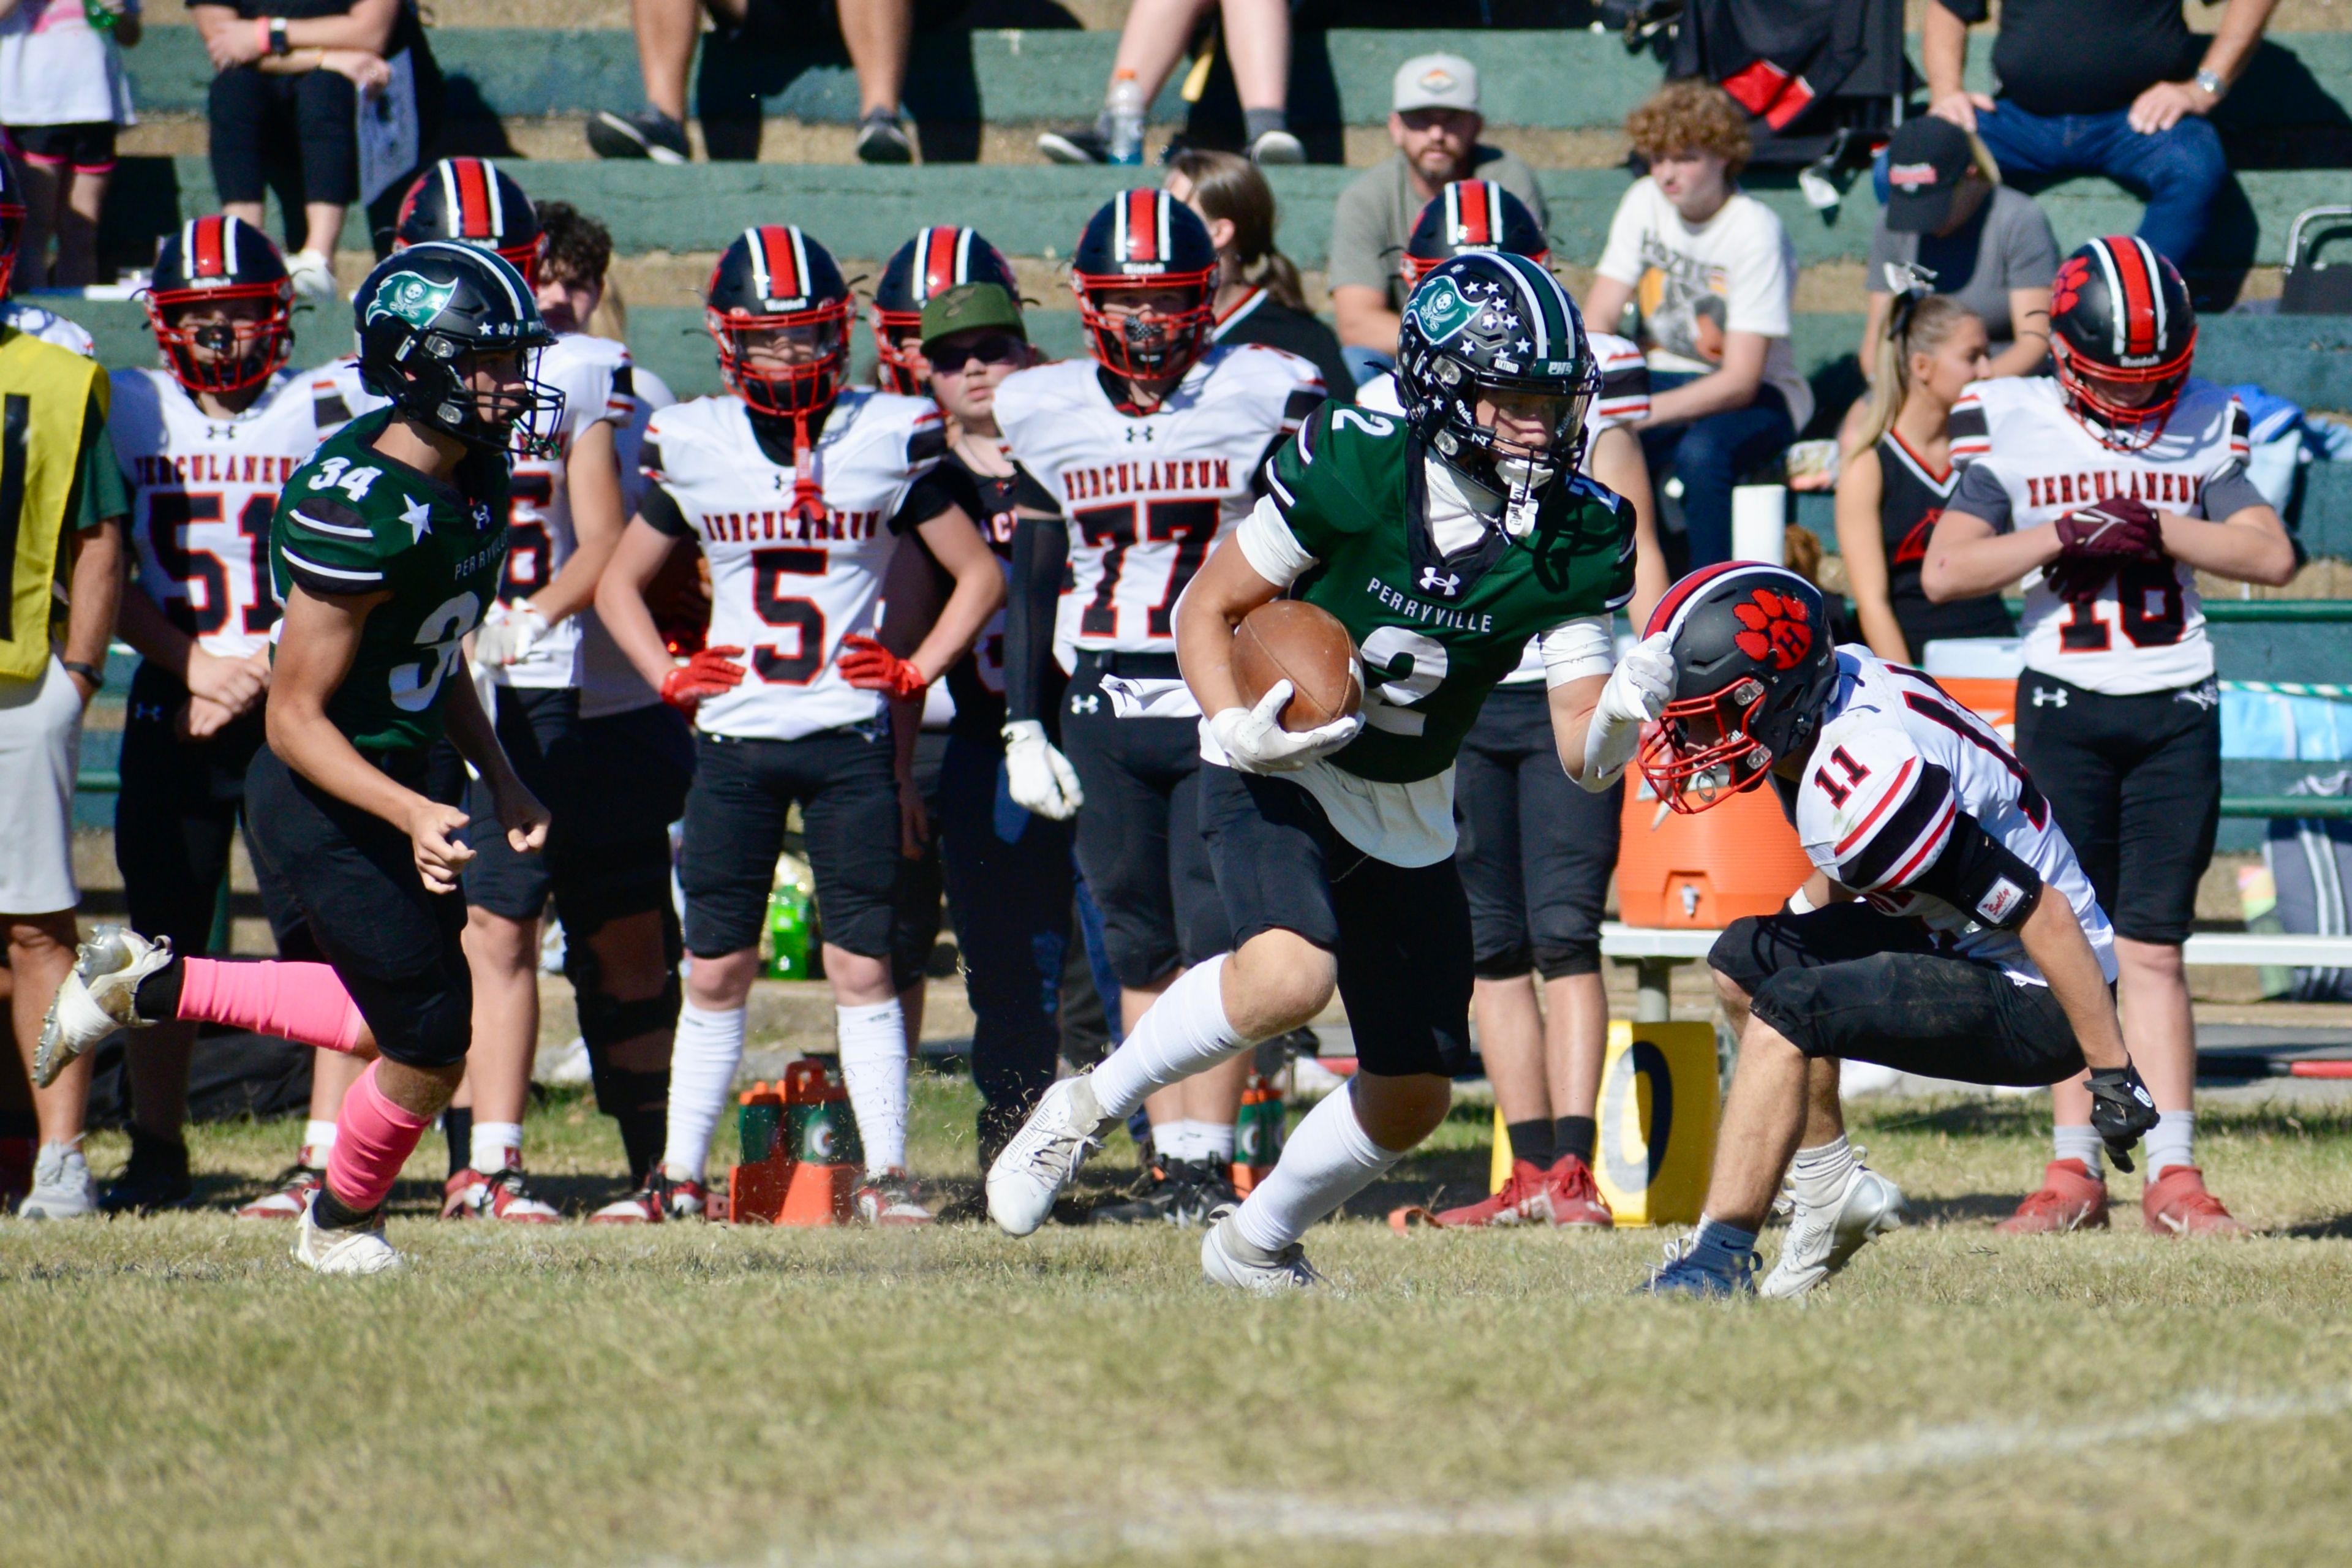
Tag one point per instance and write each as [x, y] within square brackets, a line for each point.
[387, 544]
[1443, 541]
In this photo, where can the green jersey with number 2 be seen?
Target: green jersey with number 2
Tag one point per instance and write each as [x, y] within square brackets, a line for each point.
[1437, 633]
[353, 522]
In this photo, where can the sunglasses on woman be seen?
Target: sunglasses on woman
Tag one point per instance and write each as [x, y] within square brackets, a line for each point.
[1004, 350]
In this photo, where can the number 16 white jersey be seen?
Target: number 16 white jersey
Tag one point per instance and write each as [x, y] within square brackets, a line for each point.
[784, 592]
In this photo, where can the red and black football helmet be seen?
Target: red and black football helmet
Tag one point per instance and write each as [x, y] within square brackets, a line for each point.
[775, 288]
[931, 263]
[473, 202]
[1754, 669]
[1471, 214]
[1147, 239]
[210, 261]
[12, 220]
[2120, 317]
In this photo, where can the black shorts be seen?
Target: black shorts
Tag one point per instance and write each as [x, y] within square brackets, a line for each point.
[639, 766]
[539, 726]
[2136, 782]
[351, 879]
[1139, 834]
[87, 148]
[176, 819]
[915, 903]
[1402, 934]
[735, 829]
[1847, 981]
[1536, 847]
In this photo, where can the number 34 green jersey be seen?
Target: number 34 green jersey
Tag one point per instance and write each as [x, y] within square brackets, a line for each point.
[1437, 633]
[353, 522]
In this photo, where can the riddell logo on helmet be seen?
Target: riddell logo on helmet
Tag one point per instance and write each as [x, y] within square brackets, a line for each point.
[1909, 176]
[1777, 629]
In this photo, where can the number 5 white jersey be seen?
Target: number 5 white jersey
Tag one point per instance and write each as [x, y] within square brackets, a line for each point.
[594, 374]
[203, 491]
[1896, 762]
[2025, 460]
[1147, 495]
[784, 592]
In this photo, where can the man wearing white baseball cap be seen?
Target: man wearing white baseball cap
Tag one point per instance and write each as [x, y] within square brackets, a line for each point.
[1435, 122]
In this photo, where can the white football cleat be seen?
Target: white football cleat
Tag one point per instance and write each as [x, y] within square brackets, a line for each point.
[1043, 1156]
[342, 1251]
[97, 997]
[1820, 1241]
[1228, 1260]
[62, 1185]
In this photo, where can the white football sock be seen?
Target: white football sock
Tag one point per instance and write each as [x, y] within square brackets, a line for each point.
[1185, 1031]
[873, 1065]
[1820, 1173]
[492, 1140]
[1215, 1141]
[318, 1136]
[2076, 1141]
[2171, 1142]
[1327, 1160]
[1174, 1140]
[702, 1062]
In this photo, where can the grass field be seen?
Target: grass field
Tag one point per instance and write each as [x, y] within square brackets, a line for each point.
[174, 1391]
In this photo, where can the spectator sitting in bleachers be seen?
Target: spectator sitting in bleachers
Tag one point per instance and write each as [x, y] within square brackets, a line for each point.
[1715, 275]
[878, 34]
[1258, 298]
[1989, 247]
[1897, 475]
[1435, 122]
[2117, 88]
[1256, 44]
[19, 315]
[63, 93]
[286, 91]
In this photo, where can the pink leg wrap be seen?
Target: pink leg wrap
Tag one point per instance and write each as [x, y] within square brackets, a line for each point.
[375, 1141]
[300, 1001]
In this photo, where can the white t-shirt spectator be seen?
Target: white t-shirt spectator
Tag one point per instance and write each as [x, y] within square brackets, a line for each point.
[1737, 272]
[58, 70]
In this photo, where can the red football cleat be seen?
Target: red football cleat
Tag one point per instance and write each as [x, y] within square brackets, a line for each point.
[2071, 1199]
[1576, 1197]
[1525, 1199]
[2177, 1203]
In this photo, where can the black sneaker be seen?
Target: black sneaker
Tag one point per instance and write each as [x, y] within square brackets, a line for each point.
[155, 1179]
[1153, 1200]
[1081, 144]
[648, 134]
[1208, 1197]
[881, 139]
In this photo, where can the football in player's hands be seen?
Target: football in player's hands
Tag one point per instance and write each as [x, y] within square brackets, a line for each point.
[709, 673]
[2120, 527]
[868, 666]
[1292, 640]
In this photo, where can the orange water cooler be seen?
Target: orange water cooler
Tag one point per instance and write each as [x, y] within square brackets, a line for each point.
[1705, 871]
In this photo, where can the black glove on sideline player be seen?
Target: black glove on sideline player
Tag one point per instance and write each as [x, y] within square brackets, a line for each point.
[2121, 1111]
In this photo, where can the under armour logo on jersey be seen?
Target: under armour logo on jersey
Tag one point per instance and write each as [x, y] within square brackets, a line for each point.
[151, 712]
[220, 432]
[1137, 433]
[2043, 697]
[1090, 703]
[482, 516]
[1432, 581]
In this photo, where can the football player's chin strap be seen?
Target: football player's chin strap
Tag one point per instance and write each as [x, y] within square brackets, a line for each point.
[808, 499]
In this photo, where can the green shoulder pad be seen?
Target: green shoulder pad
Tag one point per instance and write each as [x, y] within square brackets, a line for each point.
[1344, 471]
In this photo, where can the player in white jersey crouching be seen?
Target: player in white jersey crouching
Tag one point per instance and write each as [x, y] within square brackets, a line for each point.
[791, 487]
[1154, 447]
[2108, 488]
[204, 445]
[1977, 950]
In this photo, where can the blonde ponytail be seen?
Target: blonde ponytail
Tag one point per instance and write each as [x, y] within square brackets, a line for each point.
[1917, 323]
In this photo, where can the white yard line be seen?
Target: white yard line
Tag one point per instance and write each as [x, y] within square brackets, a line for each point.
[1741, 1494]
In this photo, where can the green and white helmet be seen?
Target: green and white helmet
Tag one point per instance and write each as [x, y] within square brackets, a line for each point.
[1496, 323]
[423, 313]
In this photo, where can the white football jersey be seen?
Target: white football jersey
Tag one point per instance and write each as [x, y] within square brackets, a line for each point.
[609, 683]
[1147, 495]
[595, 376]
[1896, 762]
[785, 594]
[2144, 630]
[203, 490]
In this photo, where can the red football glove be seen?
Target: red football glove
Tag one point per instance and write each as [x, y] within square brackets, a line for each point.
[709, 672]
[868, 666]
[2121, 527]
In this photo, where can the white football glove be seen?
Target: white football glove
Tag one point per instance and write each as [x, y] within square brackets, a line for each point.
[1039, 778]
[1254, 741]
[508, 640]
[1638, 691]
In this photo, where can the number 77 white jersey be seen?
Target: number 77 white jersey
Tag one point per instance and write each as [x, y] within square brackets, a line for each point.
[1148, 495]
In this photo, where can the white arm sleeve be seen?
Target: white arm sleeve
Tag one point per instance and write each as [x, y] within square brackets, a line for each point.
[1269, 546]
[1578, 648]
